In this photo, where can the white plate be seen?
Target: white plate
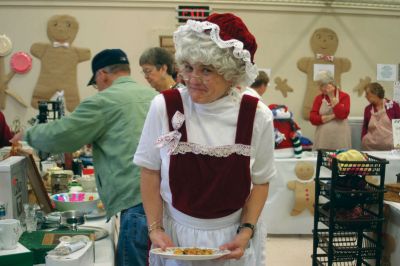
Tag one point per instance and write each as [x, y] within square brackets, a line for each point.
[169, 253]
[99, 233]
[96, 213]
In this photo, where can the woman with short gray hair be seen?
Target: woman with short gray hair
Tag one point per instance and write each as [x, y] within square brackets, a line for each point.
[158, 68]
[377, 133]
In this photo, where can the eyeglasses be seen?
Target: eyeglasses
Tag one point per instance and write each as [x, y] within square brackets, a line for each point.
[188, 76]
[148, 71]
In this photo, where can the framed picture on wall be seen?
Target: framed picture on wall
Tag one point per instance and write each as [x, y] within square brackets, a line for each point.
[167, 42]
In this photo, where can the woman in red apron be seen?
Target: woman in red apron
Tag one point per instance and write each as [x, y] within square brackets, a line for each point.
[377, 126]
[329, 114]
[206, 151]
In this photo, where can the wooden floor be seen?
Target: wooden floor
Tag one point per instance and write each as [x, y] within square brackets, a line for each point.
[292, 250]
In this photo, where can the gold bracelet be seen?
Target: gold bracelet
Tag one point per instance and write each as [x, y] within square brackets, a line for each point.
[158, 227]
[153, 224]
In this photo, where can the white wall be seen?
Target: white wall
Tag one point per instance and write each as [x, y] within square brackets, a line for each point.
[366, 37]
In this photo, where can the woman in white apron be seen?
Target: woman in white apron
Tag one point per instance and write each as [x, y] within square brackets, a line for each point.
[329, 114]
[377, 131]
[206, 181]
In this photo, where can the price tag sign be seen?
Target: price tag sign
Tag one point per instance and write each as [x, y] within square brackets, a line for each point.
[396, 133]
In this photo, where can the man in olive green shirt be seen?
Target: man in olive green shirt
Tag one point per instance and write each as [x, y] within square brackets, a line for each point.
[112, 122]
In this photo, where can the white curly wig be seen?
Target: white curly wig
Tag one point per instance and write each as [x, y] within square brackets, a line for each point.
[199, 42]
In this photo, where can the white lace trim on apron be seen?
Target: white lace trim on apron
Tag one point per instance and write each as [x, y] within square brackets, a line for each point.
[221, 151]
[172, 141]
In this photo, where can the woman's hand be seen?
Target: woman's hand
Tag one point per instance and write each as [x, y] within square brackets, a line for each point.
[334, 101]
[160, 239]
[330, 92]
[327, 118]
[238, 245]
[17, 137]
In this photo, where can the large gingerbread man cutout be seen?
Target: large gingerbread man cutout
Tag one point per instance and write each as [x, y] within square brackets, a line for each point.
[324, 43]
[59, 60]
[303, 188]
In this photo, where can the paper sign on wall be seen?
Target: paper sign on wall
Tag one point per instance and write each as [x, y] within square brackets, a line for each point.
[323, 67]
[396, 133]
[386, 72]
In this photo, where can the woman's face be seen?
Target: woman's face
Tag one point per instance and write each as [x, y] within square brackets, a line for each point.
[153, 75]
[205, 85]
[327, 89]
[372, 98]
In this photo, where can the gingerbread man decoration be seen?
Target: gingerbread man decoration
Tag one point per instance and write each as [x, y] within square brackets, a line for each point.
[360, 88]
[324, 43]
[303, 188]
[59, 60]
[282, 86]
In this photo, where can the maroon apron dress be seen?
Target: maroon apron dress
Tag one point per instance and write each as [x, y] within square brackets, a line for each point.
[208, 186]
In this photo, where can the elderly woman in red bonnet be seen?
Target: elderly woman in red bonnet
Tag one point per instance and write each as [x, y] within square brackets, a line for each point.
[206, 150]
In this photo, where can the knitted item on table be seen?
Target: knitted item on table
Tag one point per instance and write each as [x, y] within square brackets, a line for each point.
[279, 137]
[306, 144]
[297, 148]
[287, 132]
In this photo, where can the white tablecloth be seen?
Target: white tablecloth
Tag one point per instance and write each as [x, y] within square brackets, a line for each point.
[104, 248]
[281, 199]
